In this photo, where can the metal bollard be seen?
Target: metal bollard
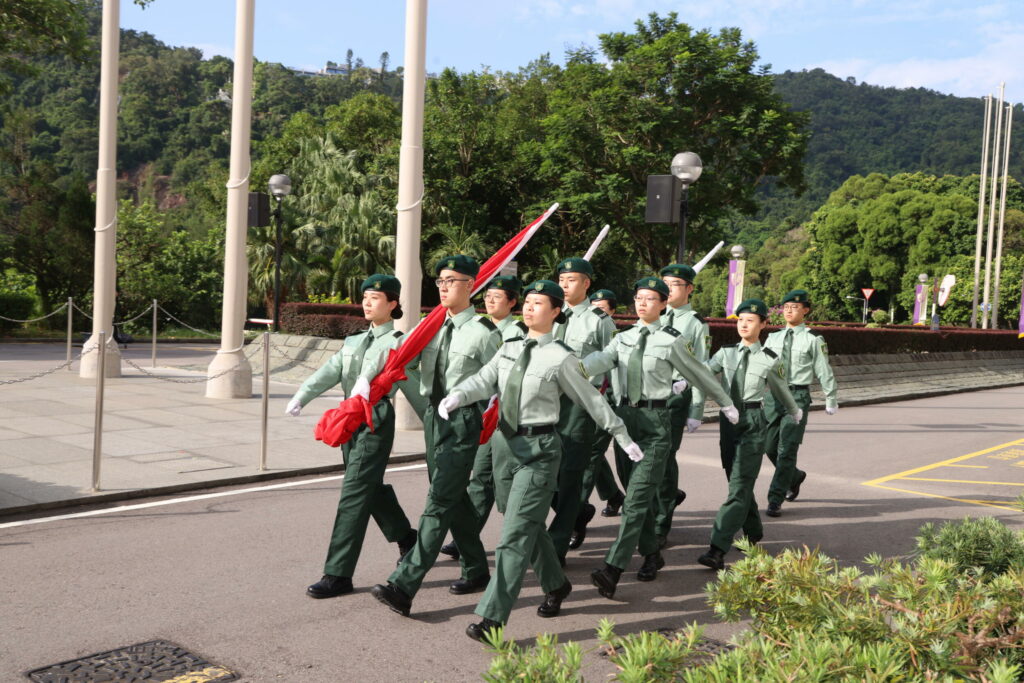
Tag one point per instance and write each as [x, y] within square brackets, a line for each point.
[97, 430]
[266, 396]
[154, 333]
[70, 305]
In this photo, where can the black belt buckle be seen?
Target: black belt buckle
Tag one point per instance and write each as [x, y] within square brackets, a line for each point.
[799, 386]
[753, 405]
[535, 430]
[649, 403]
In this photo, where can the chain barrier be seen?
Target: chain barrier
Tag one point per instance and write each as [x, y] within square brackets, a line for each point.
[253, 347]
[81, 311]
[58, 310]
[281, 352]
[131, 320]
[208, 334]
[44, 373]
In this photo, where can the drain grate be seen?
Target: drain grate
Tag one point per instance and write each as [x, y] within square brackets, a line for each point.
[158, 661]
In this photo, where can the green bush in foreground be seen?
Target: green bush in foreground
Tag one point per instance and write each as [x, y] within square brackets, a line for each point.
[955, 612]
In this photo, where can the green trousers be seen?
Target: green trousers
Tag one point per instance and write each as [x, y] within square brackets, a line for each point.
[783, 441]
[679, 409]
[651, 429]
[481, 483]
[599, 473]
[576, 430]
[364, 493]
[534, 465]
[451, 448]
[739, 511]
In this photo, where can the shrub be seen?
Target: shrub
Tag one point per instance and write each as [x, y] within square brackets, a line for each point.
[15, 305]
[335, 321]
[985, 544]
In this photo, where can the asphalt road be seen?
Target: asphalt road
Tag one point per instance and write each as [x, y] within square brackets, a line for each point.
[224, 574]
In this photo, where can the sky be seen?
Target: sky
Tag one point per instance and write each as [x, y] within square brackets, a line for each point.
[962, 47]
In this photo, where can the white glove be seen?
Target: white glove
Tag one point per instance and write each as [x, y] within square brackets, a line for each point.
[448, 404]
[731, 414]
[692, 425]
[679, 387]
[798, 416]
[831, 410]
[361, 388]
[294, 408]
[634, 452]
[490, 404]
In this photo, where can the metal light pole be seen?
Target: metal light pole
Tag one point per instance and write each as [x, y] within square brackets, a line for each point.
[997, 270]
[992, 202]
[978, 239]
[863, 308]
[280, 187]
[687, 167]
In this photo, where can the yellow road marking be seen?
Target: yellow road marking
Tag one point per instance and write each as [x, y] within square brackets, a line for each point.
[980, 467]
[958, 500]
[207, 675]
[966, 481]
[901, 475]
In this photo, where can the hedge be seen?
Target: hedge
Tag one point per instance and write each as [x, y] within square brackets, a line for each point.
[15, 305]
[340, 320]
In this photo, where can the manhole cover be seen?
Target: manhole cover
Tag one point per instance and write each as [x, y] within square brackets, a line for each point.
[157, 661]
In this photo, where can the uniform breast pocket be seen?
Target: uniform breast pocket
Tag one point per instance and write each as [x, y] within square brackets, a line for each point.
[505, 365]
[655, 358]
[461, 363]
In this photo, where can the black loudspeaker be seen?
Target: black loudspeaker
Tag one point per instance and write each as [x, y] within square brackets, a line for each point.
[662, 199]
[259, 209]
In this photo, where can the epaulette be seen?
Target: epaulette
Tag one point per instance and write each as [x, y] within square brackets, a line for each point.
[512, 339]
[521, 325]
[699, 318]
[564, 345]
[486, 322]
[670, 330]
[599, 312]
[397, 334]
[768, 352]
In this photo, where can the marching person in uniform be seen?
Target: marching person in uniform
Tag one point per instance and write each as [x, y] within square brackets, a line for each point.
[647, 357]
[532, 376]
[500, 298]
[687, 408]
[464, 344]
[805, 356]
[598, 473]
[363, 491]
[745, 369]
[586, 329]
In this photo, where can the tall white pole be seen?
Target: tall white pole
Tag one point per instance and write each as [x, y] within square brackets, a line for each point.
[237, 382]
[105, 264]
[992, 202]
[410, 181]
[1002, 216]
[981, 208]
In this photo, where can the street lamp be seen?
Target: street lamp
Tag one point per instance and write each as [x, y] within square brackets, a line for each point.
[864, 309]
[280, 187]
[687, 167]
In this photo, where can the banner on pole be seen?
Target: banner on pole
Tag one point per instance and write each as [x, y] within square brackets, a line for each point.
[735, 294]
[1020, 322]
[919, 305]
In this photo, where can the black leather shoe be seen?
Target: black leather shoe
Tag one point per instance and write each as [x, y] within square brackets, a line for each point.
[466, 586]
[680, 497]
[552, 604]
[330, 586]
[482, 630]
[394, 597]
[649, 569]
[606, 579]
[713, 558]
[794, 488]
[451, 550]
[614, 504]
[774, 510]
[406, 544]
[579, 532]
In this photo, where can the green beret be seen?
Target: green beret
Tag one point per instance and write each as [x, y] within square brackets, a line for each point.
[653, 283]
[508, 283]
[460, 263]
[755, 306]
[547, 287]
[604, 294]
[680, 270]
[381, 283]
[798, 296]
[576, 265]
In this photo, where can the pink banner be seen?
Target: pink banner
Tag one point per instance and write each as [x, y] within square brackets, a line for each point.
[730, 298]
[1020, 323]
[918, 304]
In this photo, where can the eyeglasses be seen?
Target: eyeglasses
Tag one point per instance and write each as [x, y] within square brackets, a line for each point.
[792, 307]
[646, 299]
[448, 282]
[494, 297]
[672, 285]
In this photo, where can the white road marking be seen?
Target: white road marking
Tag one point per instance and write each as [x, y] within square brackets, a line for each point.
[189, 499]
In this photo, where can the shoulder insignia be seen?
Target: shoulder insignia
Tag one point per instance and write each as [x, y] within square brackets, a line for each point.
[699, 318]
[823, 345]
[564, 346]
[514, 339]
[397, 334]
[599, 312]
[670, 331]
[768, 352]
[521, 325]
[781, 371]
[486, 322]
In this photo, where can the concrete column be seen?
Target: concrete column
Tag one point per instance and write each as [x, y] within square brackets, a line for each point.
[410, 184]
[237, 382]
[105, 265]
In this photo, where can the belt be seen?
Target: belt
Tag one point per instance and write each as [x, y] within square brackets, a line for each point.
[799, 386]
[753, 405]
[534, 430]
[649, 403]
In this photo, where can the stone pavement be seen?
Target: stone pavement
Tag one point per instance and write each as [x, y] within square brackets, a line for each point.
[161, 436]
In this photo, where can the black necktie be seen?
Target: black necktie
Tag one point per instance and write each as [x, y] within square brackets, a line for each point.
[512, 394]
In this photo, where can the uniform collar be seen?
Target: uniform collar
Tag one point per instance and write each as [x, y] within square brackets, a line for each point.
[653, 327]
[685, 308]
[578, 308]
[463, 317]
[753, 348]
[542, 340]
[796, 328]
[381, 330]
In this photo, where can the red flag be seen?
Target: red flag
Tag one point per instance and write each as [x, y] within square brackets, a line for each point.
[337, 425]
[490, 422]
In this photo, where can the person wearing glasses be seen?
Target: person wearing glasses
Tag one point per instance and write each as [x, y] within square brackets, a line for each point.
[587, 328]
[805, 356]
[747, 370]
[500, 299]
[645, 359]
[463, 345]
[687, 408]
[363, 491]
[533, 378]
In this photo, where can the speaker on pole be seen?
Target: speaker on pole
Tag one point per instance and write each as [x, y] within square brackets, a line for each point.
[662, 199]
[259, 210]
